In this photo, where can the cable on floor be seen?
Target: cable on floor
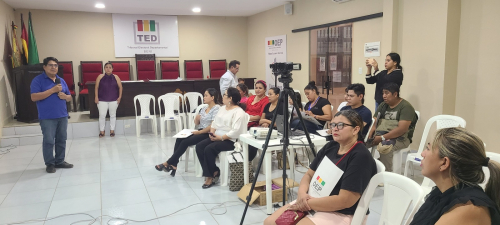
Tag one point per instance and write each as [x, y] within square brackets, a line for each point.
[6, 149]
[124, 220]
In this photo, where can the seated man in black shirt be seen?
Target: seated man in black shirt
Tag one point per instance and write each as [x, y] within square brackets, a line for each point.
[356, 101]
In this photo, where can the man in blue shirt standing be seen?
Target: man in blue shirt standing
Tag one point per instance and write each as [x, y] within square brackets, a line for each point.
[355, 101]
[50, 92]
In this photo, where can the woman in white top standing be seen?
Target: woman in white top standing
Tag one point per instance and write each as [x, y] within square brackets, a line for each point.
[225, 129]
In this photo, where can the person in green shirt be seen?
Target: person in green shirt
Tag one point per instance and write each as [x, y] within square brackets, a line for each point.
[395, 125]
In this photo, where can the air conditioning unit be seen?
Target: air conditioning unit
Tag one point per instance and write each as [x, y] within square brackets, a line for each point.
[341, 1]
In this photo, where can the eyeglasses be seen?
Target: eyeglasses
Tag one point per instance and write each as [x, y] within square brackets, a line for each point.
[52, 65]
[340, 126]
[225, 95]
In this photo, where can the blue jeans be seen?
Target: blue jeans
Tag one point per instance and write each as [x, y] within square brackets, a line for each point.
[311, 127]
[54, 134]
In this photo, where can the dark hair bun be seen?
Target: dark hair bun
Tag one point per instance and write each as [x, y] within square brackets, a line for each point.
[312, 83]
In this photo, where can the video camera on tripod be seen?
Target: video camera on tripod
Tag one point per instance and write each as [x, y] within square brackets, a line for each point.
[284, 69]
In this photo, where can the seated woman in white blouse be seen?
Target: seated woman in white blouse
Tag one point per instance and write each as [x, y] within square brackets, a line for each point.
[227, 126]
[202, 122]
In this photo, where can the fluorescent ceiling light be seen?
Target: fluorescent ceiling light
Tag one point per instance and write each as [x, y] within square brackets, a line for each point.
[100, 6]
[196, 10]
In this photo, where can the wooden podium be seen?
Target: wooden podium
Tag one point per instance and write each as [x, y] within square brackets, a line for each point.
[23, 75]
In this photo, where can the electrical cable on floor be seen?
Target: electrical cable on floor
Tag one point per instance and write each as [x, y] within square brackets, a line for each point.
[126, 221]
[6, 149]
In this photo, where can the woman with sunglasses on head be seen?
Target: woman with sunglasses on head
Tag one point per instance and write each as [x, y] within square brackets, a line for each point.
[227, 126]
[256, 103]
[202, 121]
[108, 94]
[454, 160]
[349, 154]
[318, 107]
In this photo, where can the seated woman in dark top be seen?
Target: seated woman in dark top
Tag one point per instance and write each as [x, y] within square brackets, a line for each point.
[317, 107]
[455, 161]
[267, 115]
[350, 155]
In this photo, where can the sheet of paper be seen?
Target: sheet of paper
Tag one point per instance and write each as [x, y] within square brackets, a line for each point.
[323, 133]
[184, 133]
[310, 118]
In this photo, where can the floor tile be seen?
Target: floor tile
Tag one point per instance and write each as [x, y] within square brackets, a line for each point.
[233, 215]
[35, 184]
[73, 180]
[24, 213]
[75, 205]
[198, 218]
[120, 174]
[78, 191]
[122, 185]
[140, 212]
[187, 204]
[28, 198]
[129, 197]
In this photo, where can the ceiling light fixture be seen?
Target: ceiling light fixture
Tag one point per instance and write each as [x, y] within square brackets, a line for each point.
[196, 10]
[100, 6]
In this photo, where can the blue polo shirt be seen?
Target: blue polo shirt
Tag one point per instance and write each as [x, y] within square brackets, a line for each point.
[365, 114]
[51, 107]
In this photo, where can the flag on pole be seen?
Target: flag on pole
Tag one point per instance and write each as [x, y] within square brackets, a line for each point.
[16, 56]
[24, 42]
[32, 49]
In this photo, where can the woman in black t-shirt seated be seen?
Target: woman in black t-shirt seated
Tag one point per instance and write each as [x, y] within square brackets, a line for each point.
[455, 162]
[267, 115]
[317, 107]
[351, 156]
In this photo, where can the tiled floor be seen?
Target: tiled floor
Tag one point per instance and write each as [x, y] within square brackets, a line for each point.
[116, 177]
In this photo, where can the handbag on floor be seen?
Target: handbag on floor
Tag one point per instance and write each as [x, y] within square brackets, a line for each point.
[236, 178]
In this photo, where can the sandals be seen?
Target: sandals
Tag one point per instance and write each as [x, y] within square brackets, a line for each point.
[112, 134]
[101, 135]
[205, 186]
[160, 167]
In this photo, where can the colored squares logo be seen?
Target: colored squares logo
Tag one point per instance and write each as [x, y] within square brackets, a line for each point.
[270, 42]
[321, 181]
[146, 25]
[146, 32]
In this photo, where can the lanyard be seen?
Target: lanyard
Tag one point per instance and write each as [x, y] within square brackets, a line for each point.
[313, 103]
[347, 152]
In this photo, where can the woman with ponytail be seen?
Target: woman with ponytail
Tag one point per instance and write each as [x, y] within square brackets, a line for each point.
[393, 73]
[455, 161]
[349, 154]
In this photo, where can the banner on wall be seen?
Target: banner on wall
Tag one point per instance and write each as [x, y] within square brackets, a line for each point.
[275, 52]
[145, 34]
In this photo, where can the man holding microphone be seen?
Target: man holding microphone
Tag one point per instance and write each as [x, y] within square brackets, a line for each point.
[50, 92]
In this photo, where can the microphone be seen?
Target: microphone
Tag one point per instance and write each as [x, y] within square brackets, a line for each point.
[58, 81]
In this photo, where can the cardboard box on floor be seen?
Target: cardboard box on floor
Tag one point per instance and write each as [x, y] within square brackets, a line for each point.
[259, 194]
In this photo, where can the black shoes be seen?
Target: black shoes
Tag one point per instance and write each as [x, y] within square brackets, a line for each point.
[50, 169]
[64, 165]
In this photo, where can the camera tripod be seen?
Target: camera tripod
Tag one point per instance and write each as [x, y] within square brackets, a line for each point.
[283, 100]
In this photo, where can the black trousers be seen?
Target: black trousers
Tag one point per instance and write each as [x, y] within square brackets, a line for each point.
[181, 145]
[207, 151]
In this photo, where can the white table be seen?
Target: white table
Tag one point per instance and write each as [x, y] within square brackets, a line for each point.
[247, 139]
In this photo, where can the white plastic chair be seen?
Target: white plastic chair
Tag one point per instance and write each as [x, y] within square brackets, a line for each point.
[179, 101]
[443, 121]
[197, 165]
[224, 169]
[192, 98]
[401, 196]
[380, 166]
[169, 103]
[370, 129]
[144, 102]
[341, 106]
[397, 158]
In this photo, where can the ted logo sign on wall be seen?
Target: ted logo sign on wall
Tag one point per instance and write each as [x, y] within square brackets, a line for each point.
[146, 32]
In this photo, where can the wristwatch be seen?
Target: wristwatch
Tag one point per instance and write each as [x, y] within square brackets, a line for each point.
[383, 138]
